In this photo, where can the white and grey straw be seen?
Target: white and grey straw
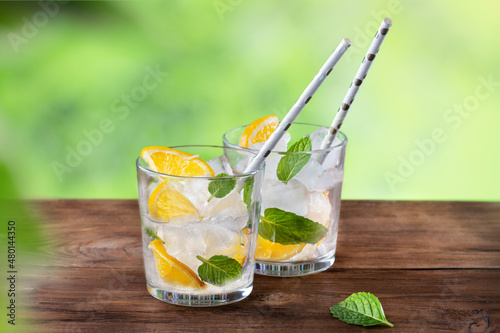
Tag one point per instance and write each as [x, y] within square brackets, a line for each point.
[299, 105]
[356, 83]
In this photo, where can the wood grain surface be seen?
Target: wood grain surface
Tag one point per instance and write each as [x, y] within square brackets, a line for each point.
[435, 266]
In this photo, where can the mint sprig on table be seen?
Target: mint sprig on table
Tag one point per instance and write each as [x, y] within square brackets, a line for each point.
[287, 228]
[363, 309]
[218, 270]
[219, 188]
[290, 164]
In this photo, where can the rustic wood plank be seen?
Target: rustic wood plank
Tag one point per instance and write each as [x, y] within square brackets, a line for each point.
[372, 234]
[413, 234]
[413, 300]
[434, 266]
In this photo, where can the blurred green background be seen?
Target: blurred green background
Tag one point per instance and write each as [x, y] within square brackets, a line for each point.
[84, 86]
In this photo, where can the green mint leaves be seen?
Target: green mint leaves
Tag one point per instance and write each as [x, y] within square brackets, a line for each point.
[288, 228]
[247, 191]
[290, 164]
[284, 227]
[152, 234]
[218, 270]
[362, 309]
[247, 197]
[219, 188]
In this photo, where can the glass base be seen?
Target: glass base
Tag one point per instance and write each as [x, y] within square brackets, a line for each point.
[291, 269]
[199, 300]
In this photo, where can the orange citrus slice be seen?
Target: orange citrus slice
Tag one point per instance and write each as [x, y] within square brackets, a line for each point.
[172, 271]
[165, 203]
[259, 131]
[175, 162]
[267, 250]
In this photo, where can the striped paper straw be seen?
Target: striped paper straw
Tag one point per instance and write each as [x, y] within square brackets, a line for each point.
[299, 105]
[356, 83]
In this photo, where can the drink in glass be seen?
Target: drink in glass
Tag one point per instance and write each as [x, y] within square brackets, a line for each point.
[198, 223]
[300, 197]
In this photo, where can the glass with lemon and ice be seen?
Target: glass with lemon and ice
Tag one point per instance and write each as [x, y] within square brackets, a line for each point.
[199, 215]
[300, 196]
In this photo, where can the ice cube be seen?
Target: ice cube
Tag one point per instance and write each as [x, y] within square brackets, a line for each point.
[271, 166]
[196, 190]
[144, 194]
[227, 166]
[217, 239]
[315, 178]
[310, 174]
[306, 253]
[229, 212]
[184, 241]
[317, 137]
[327, 245]
[291, 197]
[333, 159]
[220, 164]
[318, 207]
[329, 179]
[225, 218]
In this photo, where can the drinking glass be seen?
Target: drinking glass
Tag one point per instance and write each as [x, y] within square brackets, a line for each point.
[202, 254]
[300, 214]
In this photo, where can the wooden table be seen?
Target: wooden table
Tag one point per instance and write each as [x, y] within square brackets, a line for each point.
[435, 266]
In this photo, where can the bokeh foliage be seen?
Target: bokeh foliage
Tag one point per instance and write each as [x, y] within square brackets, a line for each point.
[230, 62]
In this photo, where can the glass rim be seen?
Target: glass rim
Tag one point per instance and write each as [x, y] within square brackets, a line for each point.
[343, 142]
[242, 175]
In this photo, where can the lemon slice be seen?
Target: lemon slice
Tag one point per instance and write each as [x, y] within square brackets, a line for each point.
[172, 271]
[259, 131]
[267, 250]
[175, 162]
[166, 203]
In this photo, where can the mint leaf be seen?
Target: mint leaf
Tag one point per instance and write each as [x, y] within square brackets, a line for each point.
[247, 191]
[219, 269]
[247, 198]
[290, 164]
[219, 188]
[288, 228]
[362, 309]
[152, 234]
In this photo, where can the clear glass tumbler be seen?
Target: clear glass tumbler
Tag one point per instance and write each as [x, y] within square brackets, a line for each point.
[300, 201]
[202, 253]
